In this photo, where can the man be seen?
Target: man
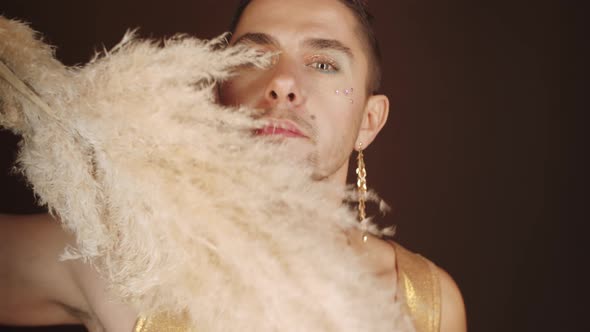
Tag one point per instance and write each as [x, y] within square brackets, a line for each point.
[320, 93]
[317, 97]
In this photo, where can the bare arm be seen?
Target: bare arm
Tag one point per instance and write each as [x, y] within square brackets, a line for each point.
[36, 289]
[452, 308]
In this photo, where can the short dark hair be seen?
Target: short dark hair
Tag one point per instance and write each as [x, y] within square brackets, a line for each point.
[361, 11]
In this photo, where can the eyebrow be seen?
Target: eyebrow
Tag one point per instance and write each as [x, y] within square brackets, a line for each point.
[257, 38]
[319, 44]
[328, 44]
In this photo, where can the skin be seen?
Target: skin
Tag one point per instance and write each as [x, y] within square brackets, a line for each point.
[319, 51]
[37, 289]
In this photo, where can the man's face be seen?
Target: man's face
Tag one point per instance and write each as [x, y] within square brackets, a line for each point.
[314, 94]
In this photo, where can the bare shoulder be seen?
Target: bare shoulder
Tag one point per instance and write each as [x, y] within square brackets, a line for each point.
[452, 309]
[38, 288]
[35, 286]
[105, 312]
[453, 317]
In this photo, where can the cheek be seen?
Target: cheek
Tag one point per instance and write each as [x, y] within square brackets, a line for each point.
[335, 98]
[338, 104]
[239, 90]
[337, 126]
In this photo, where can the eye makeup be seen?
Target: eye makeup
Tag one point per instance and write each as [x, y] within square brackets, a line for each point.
[322, 63]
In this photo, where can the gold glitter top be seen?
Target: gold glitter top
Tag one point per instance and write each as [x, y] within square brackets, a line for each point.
[417, 281]
[162, 323]
[420, 287]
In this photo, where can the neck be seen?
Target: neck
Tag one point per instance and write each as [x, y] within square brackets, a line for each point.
[338, 181]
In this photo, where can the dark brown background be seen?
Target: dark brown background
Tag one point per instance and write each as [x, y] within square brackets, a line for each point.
[466, 156]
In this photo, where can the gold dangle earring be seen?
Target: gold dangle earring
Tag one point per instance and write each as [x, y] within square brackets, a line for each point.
[361, 185]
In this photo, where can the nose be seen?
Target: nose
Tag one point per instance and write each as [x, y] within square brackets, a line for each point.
[283, 88]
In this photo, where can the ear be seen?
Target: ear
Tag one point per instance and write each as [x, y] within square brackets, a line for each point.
[374, 118]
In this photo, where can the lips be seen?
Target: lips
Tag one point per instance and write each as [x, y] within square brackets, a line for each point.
[283, 128]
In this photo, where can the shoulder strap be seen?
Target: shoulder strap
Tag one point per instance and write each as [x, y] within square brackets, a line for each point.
[420, 287]
[161, 323]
